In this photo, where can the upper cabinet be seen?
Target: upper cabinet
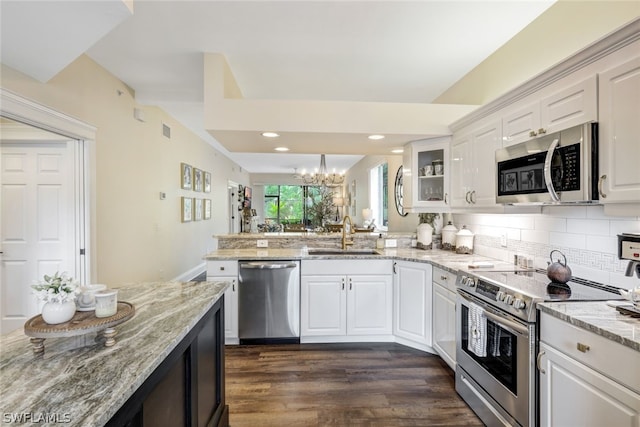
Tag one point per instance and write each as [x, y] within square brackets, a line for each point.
[619, 105]
[567, 107]
[473, 177]
[426, 175]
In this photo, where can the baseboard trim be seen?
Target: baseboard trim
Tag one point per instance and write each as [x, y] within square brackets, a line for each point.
[190, 274]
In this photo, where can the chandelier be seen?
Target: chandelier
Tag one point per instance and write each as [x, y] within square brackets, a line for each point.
[322, 176]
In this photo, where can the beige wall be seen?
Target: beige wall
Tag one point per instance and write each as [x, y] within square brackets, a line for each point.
[360, 173]
[565, 28]
[138, 237]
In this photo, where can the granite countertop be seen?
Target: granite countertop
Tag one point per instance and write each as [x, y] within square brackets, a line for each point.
[447, 260]
[79, 382]
[597, 317]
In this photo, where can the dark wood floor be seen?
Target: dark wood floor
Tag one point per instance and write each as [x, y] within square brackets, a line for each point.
[341, 385]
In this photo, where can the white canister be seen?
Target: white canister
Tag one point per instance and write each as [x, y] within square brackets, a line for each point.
[86, 300]
[449, 232]
[425, 236]
[464, 241]
[106, 303]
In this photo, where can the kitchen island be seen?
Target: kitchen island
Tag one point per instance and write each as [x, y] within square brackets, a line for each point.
[167, 365]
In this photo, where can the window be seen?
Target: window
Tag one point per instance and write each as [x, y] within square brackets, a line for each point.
[378, 197]
[295, 204]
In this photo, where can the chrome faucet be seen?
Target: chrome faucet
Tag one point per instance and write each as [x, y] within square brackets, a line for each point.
[346, 242]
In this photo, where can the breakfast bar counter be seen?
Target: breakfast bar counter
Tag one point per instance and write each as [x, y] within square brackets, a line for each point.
[80, 382]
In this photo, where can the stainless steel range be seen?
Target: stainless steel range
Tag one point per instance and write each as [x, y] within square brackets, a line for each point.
[496, 338]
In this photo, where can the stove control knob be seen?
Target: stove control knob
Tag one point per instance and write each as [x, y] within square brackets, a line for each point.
[500, 296]
[508, 299]
[519, 304]
[472, 282]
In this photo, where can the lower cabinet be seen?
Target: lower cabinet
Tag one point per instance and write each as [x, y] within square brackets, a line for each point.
[444, 315]
[585, 380]
[188, 388]
[227, 271]
[412, 303]
[343, 307]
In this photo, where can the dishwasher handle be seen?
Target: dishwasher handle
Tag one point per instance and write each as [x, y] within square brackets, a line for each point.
[267, 265]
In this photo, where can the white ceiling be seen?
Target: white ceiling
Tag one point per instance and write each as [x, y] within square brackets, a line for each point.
[373, 51]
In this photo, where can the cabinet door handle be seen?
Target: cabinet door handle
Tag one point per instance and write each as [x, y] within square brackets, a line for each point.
[343, 284]
[532, 133]
[542, 131]
[583, 347]
[395, 264]
[466, 197]
[600, 182]
[446, 198]
[233, 286]
[538, 361]
[473, 193]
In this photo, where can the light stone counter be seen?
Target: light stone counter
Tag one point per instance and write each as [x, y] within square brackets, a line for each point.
[78, 382]
[598, 318]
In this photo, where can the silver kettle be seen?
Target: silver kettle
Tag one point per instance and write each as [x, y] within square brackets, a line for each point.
[558, 271]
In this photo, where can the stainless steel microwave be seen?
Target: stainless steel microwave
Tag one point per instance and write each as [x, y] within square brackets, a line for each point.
[560, 167]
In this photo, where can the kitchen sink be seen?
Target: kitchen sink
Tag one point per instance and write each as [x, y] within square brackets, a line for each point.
[330, 251]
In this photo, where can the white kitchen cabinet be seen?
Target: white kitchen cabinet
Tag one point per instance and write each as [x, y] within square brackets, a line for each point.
[227, 271]
[412, 304]
[619, 106]
[585, 379]
[473, 164]
[444, 315]
[426, 192]
[562, 109]
[353, 303]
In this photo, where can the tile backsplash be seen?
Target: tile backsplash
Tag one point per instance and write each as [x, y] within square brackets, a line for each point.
[586, 236]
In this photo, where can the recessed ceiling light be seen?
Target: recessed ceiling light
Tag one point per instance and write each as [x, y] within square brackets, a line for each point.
[281, 149]
[397, 150]
[270, 134]
[376, 137]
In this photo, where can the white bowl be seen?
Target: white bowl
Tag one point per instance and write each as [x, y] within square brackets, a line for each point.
[86, 300]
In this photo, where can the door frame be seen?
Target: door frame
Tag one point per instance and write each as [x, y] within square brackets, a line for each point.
[20, 109]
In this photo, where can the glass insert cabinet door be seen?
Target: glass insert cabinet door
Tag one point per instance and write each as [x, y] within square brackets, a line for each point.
[428, 173]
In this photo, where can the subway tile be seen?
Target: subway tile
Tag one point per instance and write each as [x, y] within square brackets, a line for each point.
[545, 223]
[535, 236]
[569, 240]
[588, 226]
[588, 273]
[513, 233]
[605, 244]
[520, 221]
[621, 281]
[596, 212]
[565, 211]
[623, 226]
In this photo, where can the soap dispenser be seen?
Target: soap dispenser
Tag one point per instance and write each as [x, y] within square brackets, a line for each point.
[380, 242]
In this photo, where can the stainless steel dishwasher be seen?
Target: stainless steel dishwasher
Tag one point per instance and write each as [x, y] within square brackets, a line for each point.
[269, 302]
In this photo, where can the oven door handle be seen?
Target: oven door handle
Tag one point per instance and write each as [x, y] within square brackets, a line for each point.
[507, 324]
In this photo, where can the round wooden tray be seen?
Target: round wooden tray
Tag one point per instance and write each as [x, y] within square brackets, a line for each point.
[83, 322]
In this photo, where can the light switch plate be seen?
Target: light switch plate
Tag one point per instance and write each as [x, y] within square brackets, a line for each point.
[262, 243]
[391, 243]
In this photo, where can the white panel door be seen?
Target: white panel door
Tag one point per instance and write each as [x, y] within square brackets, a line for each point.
[369, 305]
[412, 301]
[38, 222]
[323, 305]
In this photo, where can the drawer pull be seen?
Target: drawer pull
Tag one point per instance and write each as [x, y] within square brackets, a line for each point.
[221, 268]
[443, 277]
[583, 347]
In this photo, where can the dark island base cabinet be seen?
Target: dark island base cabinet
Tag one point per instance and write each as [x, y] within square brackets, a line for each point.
[187, 389]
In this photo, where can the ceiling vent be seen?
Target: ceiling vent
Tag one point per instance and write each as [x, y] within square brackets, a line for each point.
[166, 131]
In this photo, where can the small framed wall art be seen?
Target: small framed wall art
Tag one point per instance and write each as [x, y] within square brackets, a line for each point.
[207, 182]
[197, 210]
[207, 208]
[187, 209]
[186, 176]
[197, 179]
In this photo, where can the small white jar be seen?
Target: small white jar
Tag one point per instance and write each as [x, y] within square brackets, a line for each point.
[449, 232]
[425, 236]
[464, 241]
[106, 303]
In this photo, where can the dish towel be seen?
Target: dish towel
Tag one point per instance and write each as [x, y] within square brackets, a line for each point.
[477, 330]
[494, 336]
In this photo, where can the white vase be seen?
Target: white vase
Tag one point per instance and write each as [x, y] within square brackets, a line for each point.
[58, 312]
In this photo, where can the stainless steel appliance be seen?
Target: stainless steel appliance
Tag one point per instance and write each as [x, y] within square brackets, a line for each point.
[496, 338]
[269, 302]
[561, 167]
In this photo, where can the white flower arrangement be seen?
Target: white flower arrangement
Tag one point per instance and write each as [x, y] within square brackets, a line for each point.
[58, 288]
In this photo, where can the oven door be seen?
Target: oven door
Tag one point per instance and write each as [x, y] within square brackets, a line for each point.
[499, 384]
